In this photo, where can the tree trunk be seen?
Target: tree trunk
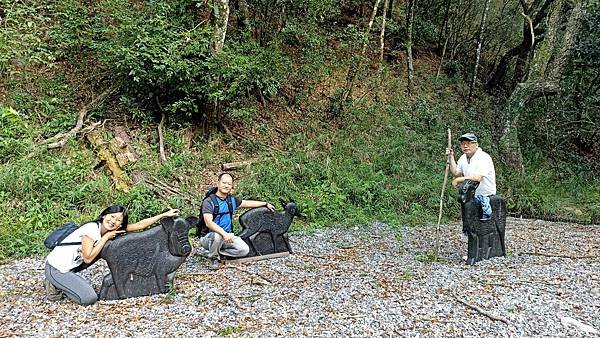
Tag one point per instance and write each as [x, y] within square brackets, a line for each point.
[106, 156]
[557, 61]
[221, 18]
[442, 33]
[161, 140]
[479, 43]
[499, 77]
[532, 18]
[243, 17]
[510, 147]
[437, 74]
[366, 37]
[355, 66]
[390, 9]
[457, 27]
[409, 56]
[382, 35]
[525, 54]
[524, 93]
[382, 48]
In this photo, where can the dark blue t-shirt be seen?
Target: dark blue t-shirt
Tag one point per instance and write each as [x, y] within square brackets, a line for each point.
[223, 219]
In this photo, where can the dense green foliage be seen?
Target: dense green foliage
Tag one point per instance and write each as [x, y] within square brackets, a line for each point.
[273, 86]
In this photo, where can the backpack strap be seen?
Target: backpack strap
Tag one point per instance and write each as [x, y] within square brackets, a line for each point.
[75, 243]
[213, 199]
[68, 243]
[201, 228]
[230, 207]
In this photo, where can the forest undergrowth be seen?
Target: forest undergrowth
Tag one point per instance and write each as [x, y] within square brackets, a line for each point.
[380, 158]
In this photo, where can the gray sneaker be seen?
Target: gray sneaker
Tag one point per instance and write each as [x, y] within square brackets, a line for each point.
[202, 252]
[52, 293]
[213, 263]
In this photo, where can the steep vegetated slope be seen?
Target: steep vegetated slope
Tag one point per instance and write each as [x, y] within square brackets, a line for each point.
[273, 96]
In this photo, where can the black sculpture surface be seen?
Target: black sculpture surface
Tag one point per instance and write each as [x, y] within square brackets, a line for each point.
[265, 231]
[144, 263]
[486, 238]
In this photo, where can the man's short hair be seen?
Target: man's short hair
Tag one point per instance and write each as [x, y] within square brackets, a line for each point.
[468, 137]
[223, 174]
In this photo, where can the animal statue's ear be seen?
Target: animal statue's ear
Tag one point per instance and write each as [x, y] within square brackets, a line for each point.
[192, 220]
[167, 222]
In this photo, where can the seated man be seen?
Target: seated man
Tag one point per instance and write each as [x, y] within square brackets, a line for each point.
[476, 165]
[220, 239]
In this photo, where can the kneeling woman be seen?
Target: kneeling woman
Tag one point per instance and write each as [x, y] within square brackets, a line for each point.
[65, 260]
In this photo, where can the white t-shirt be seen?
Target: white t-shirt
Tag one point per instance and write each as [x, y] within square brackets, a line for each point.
[67, 257]
[480, 164]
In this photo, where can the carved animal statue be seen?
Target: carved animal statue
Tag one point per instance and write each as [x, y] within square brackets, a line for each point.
[144, 263]
[265, 231]
[486, 239]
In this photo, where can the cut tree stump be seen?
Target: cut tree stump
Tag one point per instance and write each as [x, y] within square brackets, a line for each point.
[116, 155]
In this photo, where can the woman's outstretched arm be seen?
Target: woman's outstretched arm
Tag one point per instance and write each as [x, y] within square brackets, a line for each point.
[151, 220]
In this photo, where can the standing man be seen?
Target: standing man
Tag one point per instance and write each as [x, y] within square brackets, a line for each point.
[475, 165]
[220, 239]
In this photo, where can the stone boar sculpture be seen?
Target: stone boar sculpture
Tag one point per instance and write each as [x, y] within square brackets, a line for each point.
[144, 263]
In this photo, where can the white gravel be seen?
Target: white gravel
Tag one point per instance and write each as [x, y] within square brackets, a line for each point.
[345, 282]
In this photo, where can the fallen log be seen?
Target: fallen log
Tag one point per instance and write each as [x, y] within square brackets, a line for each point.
[235, 165]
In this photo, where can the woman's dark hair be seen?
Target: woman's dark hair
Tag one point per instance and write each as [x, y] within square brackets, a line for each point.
[113, 209]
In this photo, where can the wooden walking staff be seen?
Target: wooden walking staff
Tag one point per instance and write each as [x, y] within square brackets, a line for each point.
[437, 240]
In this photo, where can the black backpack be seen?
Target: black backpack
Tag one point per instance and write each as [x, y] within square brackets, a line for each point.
[57, 236]
[201, 228]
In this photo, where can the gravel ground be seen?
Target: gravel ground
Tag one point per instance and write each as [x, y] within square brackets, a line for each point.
[357, 282]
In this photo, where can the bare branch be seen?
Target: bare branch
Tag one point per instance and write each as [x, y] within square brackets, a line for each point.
[161, 141]
[64, 137]
[557, 255]
[482, 311]
[249, 272]
[530, 27]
